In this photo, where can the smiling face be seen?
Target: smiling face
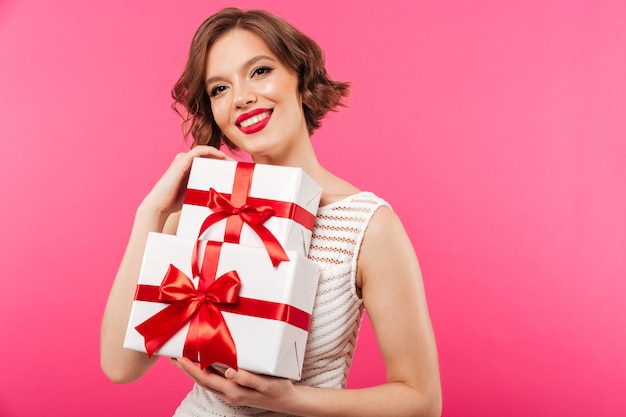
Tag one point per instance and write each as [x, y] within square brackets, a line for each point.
[254, 97]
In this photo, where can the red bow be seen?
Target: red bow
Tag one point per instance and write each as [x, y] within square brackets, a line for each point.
[253, 216]
[208, 335]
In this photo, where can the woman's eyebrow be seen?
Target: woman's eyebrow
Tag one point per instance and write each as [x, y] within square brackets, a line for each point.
[245, 65]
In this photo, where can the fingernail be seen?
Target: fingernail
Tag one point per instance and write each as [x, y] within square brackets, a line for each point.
[230, 373]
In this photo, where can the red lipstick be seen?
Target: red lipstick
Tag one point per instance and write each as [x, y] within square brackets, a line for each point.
[257, 125]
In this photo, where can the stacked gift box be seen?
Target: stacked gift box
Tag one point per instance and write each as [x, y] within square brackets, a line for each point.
[233, 287]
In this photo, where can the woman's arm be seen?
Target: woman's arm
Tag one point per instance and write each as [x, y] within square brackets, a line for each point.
[156, 213]
[393, 293]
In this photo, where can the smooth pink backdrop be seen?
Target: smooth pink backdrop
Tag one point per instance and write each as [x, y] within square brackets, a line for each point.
[497, 130]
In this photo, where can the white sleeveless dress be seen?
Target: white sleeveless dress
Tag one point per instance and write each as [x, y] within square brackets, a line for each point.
[337, 236]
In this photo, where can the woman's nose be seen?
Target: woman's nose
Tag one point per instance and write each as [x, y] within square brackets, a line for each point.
[243, 97]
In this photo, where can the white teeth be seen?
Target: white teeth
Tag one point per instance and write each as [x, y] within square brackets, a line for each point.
[254, 119]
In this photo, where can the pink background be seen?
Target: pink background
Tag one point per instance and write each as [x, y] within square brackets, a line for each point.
[497, 130]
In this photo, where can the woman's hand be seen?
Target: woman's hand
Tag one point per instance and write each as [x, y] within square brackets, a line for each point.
[241, 387]
[166, 197]
[124, 365]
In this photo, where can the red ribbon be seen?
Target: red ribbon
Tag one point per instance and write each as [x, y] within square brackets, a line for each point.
[208, 336]
[239, 208]
[253, 216]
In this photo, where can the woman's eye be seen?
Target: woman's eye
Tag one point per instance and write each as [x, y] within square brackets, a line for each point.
[262, 71]
[217, 90]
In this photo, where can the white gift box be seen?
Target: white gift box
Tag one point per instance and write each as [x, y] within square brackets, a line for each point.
[264, 346]
[269, 182]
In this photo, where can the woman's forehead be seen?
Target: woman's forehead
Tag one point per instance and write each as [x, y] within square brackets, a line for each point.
[235, 49]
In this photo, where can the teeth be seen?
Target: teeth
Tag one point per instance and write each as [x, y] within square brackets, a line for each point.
[254, 119]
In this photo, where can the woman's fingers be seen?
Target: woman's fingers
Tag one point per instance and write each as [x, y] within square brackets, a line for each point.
[183, 160]
[240, 387]
[211, 380]
[209, 152]
[167, 194]
[207, 379]
[246, 379]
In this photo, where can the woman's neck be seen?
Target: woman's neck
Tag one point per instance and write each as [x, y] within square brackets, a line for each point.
[301, 155]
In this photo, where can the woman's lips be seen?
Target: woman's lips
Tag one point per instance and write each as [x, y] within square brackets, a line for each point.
[254, 120]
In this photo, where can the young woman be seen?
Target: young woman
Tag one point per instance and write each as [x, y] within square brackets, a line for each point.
[258, 85]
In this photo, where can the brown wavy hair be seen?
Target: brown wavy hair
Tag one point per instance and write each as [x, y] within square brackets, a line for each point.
[320, 94]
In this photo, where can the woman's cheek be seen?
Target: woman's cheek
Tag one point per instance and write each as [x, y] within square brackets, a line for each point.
[220, 116]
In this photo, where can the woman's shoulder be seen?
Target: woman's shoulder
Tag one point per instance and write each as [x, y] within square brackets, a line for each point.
[357, 200]
[338, 193]
[337, 190]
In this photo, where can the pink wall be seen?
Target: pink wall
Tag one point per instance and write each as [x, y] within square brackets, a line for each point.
[498, 132]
